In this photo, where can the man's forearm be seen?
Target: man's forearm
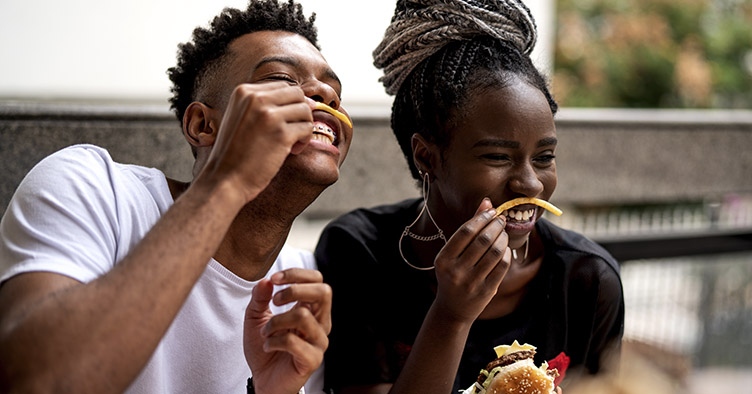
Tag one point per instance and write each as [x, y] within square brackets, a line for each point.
[97, 337]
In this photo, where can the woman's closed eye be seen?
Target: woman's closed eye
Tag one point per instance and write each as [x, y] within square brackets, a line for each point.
[545, 159]
[496, 157]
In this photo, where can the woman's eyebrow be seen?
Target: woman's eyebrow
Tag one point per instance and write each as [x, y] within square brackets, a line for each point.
[502, 143]
[548, 141]
[497, 143]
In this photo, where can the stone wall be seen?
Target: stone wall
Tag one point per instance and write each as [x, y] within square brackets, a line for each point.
[605, 157]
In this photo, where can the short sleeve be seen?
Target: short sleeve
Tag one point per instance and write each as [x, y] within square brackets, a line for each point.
[609, 321]
[595, 306]
[62, 218]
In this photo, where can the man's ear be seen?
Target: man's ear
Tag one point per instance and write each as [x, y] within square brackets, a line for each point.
[199, 127]
[425, 154]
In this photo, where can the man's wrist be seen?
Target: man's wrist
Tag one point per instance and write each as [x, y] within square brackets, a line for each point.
[249, 389]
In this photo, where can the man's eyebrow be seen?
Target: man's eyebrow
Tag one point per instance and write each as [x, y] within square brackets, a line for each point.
[289, 60]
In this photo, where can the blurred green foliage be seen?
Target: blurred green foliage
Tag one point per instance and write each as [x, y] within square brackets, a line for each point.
[654, 53]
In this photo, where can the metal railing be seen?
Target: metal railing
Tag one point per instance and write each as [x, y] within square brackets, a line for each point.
[687, 275]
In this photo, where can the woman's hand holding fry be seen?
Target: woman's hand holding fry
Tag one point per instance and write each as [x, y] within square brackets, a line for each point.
[472, 264]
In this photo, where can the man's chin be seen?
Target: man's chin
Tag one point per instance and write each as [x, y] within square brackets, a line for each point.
[324, 180]
[315, 169]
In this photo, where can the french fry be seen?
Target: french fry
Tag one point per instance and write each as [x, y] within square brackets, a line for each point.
[337, 114]
[529, 200]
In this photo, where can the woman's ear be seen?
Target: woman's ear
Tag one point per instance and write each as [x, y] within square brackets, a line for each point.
[199, 127]
[425, 154]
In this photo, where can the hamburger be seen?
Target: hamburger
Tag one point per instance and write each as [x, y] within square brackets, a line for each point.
[515, 372]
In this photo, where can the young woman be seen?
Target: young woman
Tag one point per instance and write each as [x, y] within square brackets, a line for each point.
[425, 288]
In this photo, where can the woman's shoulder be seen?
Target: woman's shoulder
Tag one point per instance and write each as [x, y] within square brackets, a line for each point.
[362, 236]
[374, 218]
[582, 266]
[571, 246]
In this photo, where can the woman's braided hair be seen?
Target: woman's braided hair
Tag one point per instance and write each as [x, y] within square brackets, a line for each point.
[206, 53]
[435, 52]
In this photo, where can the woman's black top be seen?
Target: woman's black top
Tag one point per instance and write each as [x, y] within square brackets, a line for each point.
[574, 305]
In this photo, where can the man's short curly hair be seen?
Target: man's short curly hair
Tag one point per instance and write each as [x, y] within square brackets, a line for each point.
[210, 45]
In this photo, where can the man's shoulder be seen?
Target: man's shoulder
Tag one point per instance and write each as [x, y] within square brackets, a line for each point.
[85, 160]
[81, 152]
[77, 170]
[68, 158]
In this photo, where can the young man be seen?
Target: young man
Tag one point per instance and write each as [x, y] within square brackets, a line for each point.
[115, 278]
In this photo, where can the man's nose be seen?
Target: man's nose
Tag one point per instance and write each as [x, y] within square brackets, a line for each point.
[323, 93]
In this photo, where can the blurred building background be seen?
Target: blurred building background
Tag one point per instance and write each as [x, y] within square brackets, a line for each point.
[669, 54]
[119, 51]
[655, 133]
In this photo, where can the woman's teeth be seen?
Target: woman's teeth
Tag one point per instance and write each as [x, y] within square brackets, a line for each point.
[520, 216]
[322, 132]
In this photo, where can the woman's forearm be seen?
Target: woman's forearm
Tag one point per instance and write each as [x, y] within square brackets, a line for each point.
[434, 359]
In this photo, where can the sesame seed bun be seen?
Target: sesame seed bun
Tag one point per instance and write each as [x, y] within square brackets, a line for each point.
[521, 377]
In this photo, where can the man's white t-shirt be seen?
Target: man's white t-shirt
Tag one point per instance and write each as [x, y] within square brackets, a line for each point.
[78, 213]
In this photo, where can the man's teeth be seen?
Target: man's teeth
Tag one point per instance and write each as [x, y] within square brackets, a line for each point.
[522, 216]
[322, 132]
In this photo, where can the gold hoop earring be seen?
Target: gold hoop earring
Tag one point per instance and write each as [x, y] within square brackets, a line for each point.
[423, 238]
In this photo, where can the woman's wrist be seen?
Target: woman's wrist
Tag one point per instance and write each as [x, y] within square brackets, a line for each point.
[447, 320]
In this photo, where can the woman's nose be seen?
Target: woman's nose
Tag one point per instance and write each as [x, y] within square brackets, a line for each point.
[525, 181]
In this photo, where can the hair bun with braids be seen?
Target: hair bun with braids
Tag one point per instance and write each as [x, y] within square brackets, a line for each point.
[420, 28]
